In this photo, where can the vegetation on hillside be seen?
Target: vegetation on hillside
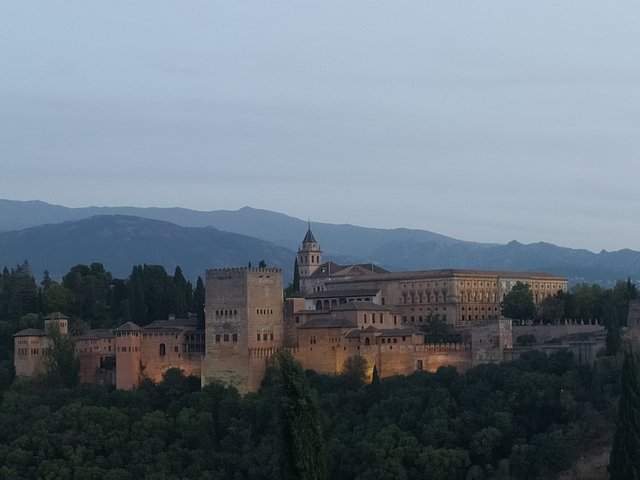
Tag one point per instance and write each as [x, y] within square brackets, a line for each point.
[523, 420]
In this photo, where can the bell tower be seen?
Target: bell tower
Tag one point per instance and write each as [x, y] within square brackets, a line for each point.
[309, 256]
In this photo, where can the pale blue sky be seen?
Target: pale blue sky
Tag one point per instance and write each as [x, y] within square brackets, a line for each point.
[486, 121]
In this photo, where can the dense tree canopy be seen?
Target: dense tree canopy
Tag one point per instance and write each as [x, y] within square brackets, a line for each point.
[525, 420]
[624, 463]
[518, 303]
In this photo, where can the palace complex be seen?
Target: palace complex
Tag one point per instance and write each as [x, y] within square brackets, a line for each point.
[342, 311]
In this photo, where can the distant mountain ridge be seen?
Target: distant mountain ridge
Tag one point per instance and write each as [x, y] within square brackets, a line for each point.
[120, 242]
[396, 249]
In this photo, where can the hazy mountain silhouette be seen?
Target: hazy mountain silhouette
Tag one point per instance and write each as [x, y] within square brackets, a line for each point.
[120, 242]
[396, 249]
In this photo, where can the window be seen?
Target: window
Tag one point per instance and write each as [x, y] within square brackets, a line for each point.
[163, 350]
[235, 337]
[175, 349]
[226, 337]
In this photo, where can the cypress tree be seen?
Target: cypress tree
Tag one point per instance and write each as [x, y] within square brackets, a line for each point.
[198, 302]
[302, 455]
[624, 463]
[296, 277]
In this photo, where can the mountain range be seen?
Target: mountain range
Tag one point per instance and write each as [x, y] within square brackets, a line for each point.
[56, 237]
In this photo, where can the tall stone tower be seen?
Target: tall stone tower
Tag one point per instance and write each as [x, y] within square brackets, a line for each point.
[244, 324]
[128, 366]
[309, 259]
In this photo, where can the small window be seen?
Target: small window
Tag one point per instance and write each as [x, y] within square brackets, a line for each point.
[226, 337]
[218, 337]
[175, 349]
[235, 337]
[163, 350]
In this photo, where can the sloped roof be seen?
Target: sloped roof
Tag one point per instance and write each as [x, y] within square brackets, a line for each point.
[332, 269]
[174, 322]
[345, 292]
[96, 334]
[452, 273]
[56, 316]
[129, 326]
[309, 238]
[30, 332]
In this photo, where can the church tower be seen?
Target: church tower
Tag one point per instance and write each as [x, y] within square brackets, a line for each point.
[309, 256]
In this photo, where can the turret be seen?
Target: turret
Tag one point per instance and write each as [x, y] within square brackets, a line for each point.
[309, 255]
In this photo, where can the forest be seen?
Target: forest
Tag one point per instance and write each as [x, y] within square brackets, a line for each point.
[524, 420]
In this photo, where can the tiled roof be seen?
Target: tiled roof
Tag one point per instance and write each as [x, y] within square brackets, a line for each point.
[129, 326]
[450, 273]
[30, 332]
[332, 269]
[309, 238]
[56, 316]
[174, 322]
[96, 334]
[345, 292]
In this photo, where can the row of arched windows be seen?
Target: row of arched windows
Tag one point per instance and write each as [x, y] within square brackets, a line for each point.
[226, 313]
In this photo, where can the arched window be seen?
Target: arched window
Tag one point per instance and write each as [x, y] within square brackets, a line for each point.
[367, 341]
[319, 305]
[163, 350]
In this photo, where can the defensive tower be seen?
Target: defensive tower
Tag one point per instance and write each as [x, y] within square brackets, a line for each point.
[243, 315]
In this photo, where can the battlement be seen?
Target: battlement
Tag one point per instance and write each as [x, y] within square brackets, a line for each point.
[442, 347]
[267, 352]
[239, 272]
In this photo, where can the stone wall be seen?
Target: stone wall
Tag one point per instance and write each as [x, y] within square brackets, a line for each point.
[544, 333]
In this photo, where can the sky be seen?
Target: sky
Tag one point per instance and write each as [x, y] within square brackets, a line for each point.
[486, 121]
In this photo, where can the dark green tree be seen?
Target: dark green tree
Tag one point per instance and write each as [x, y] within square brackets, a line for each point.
[296, 276]
[262, 264]
[63, 368]
[624, 463]
[518, 303]
[198, 302]
[354, 371]
[375, 376]
[137, 302]
[302, 455]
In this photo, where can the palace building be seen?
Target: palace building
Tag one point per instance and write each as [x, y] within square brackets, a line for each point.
[342, 311]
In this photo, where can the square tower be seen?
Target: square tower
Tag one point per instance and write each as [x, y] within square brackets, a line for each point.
[244, 314]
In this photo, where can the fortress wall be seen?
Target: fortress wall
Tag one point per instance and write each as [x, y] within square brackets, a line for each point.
[395, 360]
[544, 333]
[434, 356]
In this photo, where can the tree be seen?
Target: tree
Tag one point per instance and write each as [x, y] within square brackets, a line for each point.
[518, 303]
[293, 288]
[262, 264]
[624, 463]
[296, 276]
[354, 371]
[198, 302]
[551, 309]
[63, 368]
[302, 456]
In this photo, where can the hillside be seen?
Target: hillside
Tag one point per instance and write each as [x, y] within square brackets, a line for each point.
[395, 249]
[119, 242]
